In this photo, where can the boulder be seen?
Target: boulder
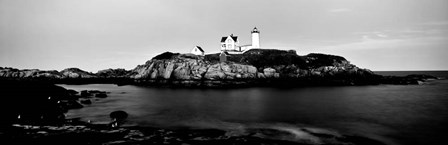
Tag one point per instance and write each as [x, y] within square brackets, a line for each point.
[269, 72]
[119, 115]
[251, 69]
[261, 76]
[225, 68]
[276, 75]
[85, 94]
[118, 118]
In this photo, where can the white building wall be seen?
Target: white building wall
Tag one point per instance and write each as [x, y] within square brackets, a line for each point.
[196, 51]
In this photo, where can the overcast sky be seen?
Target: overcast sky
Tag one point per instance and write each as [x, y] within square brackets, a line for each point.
[99, 34]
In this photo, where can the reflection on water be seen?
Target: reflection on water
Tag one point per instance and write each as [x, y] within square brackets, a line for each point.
[392, 113]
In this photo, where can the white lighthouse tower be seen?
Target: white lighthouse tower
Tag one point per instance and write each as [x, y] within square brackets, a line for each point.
[255, 38]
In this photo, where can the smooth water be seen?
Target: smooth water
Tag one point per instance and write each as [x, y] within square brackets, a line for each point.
[394, 114]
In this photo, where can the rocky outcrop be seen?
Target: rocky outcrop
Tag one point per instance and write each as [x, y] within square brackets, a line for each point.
[181, 68]
[76, 73]
[270, 73]
[69, 73]
[112, 73]
[29, 73]
[197, 69]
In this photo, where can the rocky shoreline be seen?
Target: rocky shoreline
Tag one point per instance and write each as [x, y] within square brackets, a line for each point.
[79, 133]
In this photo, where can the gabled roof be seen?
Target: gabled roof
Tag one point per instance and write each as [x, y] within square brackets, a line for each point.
[200, 49]
[223, 39]
[235, 38]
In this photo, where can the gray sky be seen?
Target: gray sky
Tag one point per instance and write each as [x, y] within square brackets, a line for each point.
[99, 34]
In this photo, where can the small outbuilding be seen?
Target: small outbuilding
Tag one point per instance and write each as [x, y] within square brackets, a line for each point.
[223, 56]
[197, 50]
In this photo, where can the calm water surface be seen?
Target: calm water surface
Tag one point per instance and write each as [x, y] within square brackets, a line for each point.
[394, 114]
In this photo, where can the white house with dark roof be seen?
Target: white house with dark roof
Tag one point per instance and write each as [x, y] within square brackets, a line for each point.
[197, 50]
[230, 43]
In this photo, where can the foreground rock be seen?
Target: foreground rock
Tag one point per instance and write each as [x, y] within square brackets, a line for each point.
[38, 102]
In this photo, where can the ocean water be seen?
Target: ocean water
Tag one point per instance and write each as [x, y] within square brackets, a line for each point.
[393, 114]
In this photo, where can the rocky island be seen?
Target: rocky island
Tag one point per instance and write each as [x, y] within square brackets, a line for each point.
[256, 67]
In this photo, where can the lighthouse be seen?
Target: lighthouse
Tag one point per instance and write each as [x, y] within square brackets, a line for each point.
[255, 38]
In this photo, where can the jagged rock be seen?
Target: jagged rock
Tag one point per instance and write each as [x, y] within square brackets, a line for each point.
[181, 73]
[142, 71]
[161, 70]
[169, 69]
[154, 74]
